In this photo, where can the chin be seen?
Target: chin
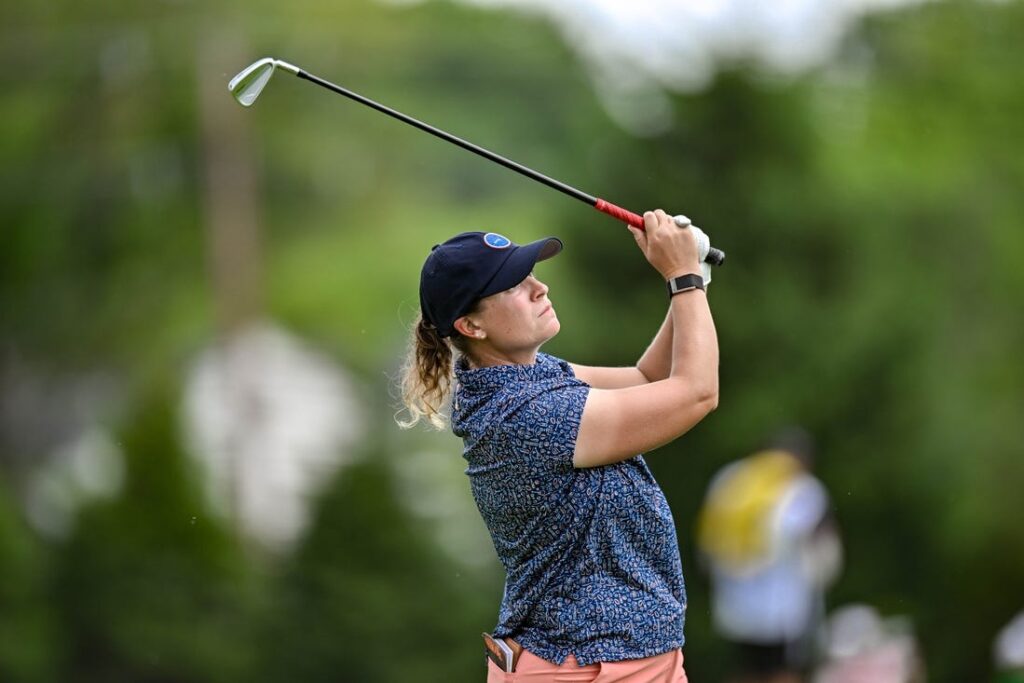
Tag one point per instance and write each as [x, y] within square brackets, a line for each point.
[553, 328]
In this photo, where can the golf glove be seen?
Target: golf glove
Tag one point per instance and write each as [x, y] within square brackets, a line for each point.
[703, 246]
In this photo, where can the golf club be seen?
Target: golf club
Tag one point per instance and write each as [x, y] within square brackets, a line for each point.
[249, 83]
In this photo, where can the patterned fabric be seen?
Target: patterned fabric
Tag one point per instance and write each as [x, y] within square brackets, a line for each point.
[591, 555]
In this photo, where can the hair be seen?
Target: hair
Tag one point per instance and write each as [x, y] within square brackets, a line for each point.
[427, 374]
[796, 441]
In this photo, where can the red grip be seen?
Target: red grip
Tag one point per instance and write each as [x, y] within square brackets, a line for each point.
[620, 213]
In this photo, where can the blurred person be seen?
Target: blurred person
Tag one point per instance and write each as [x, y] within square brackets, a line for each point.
[769, 540]
[594, 585]
[862, 647]
[1008, 651]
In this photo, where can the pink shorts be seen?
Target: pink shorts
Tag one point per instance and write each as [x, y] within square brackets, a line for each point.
[666, 668]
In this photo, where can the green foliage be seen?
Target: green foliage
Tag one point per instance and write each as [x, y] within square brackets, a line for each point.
[369, 599]
[870, 210]
[150, 587]
[26, 622]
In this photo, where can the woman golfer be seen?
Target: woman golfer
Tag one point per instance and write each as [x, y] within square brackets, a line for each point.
[594, 588]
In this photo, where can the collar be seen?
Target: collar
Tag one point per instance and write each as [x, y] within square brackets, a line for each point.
[496, 376]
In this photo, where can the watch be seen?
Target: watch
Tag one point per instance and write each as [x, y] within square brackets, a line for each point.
[684, 283]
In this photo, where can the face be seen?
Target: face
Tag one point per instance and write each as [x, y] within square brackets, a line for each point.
[512, 325]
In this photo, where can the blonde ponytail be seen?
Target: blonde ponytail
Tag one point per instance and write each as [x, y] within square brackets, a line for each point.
[427, 375]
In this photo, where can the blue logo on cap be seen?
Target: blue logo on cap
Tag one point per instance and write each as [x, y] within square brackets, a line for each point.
[496, 241]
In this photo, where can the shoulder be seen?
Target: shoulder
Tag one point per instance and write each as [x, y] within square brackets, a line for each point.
[535, 398]
[806, 493]
[541, 415]
[547, 361]
[802, 506]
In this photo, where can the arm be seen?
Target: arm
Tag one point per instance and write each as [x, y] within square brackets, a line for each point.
[619, 423]
[654, 365]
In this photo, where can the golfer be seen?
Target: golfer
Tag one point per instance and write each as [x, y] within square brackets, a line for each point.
[594, 588]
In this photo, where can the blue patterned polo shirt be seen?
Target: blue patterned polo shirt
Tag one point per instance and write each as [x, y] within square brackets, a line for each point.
[591, 557]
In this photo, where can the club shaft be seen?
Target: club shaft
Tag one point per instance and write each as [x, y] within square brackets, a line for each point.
[476, 149]
[715, 256]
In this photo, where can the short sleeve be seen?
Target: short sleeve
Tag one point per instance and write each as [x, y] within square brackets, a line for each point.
[541, 420]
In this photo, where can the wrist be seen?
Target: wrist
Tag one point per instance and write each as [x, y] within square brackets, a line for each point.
[679, 271]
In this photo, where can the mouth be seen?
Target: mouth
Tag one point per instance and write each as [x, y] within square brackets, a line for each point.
[547, 309]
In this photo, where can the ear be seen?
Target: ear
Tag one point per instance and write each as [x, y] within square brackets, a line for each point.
[467, 327]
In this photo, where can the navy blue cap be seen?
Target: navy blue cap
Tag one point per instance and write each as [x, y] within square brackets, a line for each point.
[470, 266]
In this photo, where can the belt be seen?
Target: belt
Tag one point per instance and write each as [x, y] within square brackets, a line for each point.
[504, 652]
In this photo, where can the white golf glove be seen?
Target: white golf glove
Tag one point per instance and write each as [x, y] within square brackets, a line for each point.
[703, 246]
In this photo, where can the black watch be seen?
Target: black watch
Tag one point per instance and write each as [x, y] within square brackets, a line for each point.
[684, 283]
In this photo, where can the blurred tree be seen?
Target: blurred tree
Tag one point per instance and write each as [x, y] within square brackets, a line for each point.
[149, 587]
[27, 638]
[370, 598]
[871, 212]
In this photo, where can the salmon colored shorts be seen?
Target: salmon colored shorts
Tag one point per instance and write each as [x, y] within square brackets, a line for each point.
[666, 668]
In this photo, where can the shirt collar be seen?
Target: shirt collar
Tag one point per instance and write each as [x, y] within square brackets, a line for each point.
[496, 376]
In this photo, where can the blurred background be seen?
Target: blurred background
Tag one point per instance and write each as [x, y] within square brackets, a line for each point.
[204, 309]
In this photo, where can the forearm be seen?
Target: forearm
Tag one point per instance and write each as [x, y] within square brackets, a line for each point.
[656, 362]
[620, 423]
[694, 343]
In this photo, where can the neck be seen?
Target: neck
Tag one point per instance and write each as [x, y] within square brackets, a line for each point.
[488, 357]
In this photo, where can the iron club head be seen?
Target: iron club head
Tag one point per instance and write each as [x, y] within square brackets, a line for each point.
[247, 85]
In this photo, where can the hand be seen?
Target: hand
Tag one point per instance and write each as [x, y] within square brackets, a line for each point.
[703, 246]
[673, 251]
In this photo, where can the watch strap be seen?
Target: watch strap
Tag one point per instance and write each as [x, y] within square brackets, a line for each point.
[684, 283]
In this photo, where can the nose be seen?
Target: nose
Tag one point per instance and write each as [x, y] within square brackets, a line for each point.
[540, 289]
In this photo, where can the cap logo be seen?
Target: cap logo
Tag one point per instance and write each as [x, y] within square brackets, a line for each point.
[496, 241]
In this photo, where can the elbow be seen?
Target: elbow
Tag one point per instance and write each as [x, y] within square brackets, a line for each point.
[712, 393]
[708, 398]
[700, 397]
[709, 401]
[713, 401]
